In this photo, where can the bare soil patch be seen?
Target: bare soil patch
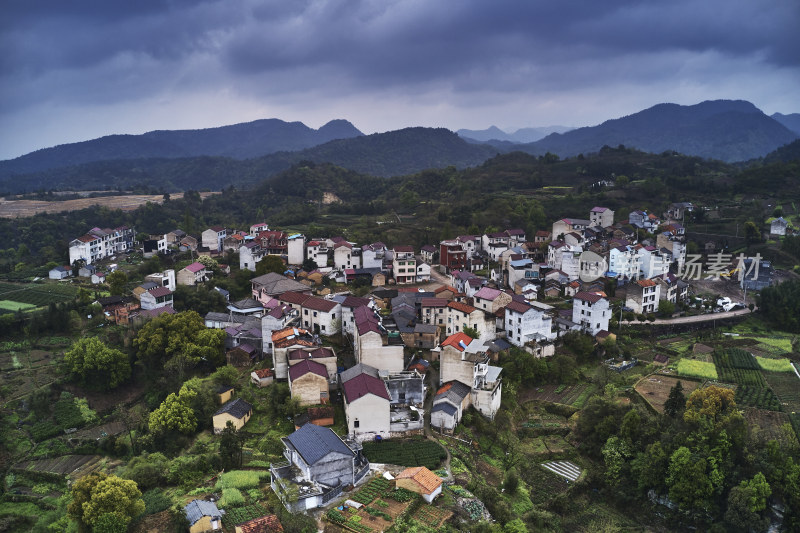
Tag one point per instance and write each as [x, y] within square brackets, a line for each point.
[103, 402]
[27, 208]
[655, 389]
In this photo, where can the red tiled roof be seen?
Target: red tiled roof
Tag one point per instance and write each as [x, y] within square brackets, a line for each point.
[589, 297]
[319, 304]
[160, 291]
[455, 340]
[292, 297]
[195, 267]
[518, 307]
[355, 301]
[434, 302]
[364, 384]
[319, 353]
[458, 306]
[264, 373]
[307, 366]
[646, 283]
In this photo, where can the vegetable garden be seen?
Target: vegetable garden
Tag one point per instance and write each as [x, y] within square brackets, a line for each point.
[698, 369]
[414, 452]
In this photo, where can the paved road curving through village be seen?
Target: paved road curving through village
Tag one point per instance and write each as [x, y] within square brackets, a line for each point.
[690, 319]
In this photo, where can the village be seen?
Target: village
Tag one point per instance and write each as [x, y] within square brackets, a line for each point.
[420, 333]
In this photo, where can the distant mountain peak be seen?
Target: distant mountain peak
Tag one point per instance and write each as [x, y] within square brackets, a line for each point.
[729, 130]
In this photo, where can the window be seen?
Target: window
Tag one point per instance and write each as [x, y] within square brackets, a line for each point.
[355, 423]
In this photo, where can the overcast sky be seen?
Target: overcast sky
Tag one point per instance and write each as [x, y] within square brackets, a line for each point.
[76, 70]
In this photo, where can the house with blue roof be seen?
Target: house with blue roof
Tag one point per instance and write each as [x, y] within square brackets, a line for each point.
[319, 464]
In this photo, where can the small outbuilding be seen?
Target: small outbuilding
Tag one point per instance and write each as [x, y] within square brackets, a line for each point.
[262, 377]
[203, 516]
[237, 411]
[422, 481]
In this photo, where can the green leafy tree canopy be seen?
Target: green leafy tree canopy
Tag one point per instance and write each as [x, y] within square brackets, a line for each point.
[96, 365]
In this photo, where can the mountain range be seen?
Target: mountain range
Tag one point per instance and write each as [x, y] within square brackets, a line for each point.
[729, 130]
[238, 141]
[524, 135]
[244, 154]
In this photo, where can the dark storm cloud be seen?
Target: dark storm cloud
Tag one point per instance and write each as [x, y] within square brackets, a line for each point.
[411, 43]
[74, 54]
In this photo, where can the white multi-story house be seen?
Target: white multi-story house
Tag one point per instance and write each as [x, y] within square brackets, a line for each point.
[366, 404]
[317, 251]
[372, 255]
[591, 311]
[164, 279]
[345, 256]
[653, 263]
[321, 316]
[296, 249]
[213, 237]
[371, 344]
[423, 272]
[525, 323]
[461, 316]
[257, 228]
[156, 298]
[404, 265]
[642, 296]
[601, 216]
[464, 360]
[99, 243]
[470, 243]
[250, 254]
[624, 261]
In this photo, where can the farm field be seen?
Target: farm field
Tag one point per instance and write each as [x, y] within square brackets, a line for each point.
[787, 388]
[382, 504]
[575, 395]
[655, 388]
[36, 295]
[413, 452]
[697, 369]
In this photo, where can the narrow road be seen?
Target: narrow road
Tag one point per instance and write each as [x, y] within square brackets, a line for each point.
[433, 382]
[691, 319]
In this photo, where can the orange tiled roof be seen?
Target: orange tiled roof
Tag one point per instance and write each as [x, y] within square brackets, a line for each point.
[287, 332]
[453, 340]
[426, 479]
[646, 283]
